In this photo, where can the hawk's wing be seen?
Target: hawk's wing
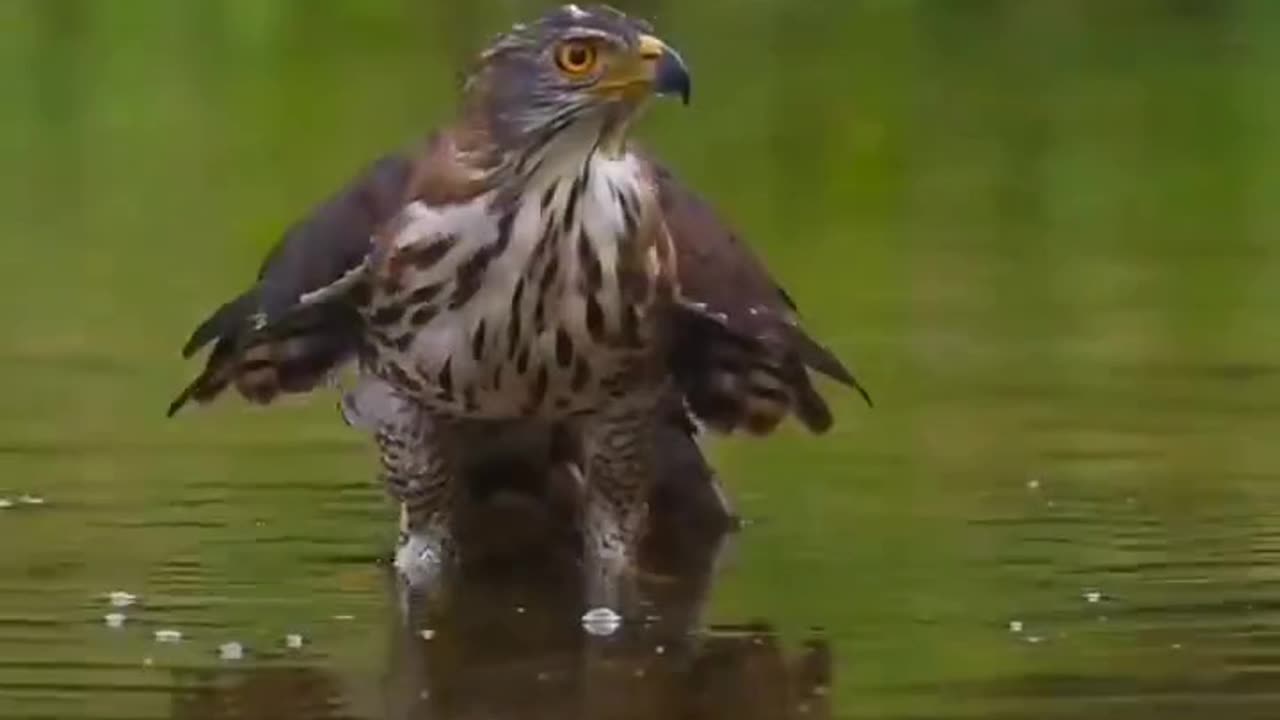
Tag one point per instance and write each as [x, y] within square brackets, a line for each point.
[267, 341]
[739, 353]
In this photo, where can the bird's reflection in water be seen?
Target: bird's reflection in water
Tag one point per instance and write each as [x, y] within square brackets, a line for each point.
[505, 639]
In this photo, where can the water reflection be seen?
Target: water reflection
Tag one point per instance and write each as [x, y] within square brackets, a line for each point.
[505, 641]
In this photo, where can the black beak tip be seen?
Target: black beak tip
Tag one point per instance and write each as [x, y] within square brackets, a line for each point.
[673, 77]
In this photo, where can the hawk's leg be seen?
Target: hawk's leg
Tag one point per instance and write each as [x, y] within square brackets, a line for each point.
[418, 472]
[620, 446]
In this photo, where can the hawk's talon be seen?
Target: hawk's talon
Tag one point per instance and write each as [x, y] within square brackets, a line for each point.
[424, 556]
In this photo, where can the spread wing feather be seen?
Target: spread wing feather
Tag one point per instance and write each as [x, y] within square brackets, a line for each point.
[739, 352]
[292, 328]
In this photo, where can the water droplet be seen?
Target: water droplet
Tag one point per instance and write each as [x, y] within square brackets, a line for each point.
[660, 649]
[168, 636]
[1015, 626]
[427, 634]
[114, 620]
[5, 503]
[1092, 596]
[520, 609]
[231, 651]
[601, 621]
[1035, 639]
[148, 662]
[120, 598]
[1033, 484]
[30, 500]
[293, 641]
[344, 617]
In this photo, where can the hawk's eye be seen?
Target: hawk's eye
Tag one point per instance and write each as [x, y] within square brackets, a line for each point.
[576, 57]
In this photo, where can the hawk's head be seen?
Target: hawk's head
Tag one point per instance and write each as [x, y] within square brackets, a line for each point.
[579, 74]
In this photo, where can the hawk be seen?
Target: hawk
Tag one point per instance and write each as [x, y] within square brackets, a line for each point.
[527, 272]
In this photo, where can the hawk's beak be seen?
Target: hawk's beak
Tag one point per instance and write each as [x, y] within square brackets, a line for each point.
[665, 68]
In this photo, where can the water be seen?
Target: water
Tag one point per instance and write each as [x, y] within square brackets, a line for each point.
[1044, 233]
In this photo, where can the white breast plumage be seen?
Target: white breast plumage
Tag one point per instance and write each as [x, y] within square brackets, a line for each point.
[486, 310]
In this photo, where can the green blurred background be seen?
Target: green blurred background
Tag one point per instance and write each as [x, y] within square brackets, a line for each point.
[1044, 232]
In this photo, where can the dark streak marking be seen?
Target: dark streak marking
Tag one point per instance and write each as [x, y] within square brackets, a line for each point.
[548, 195]
[477, 341]
[539, 392]
[388, 315]
[564, 348]
[425, 294]
[423, 315]
[629, 215]
[469, 277]
[424, 258]
[549, 275]
[571, 209]
[402, 378]
[445, 377]
[589, 263]
[595, 319]
[522, 362]
[517, 315]
[504, 233]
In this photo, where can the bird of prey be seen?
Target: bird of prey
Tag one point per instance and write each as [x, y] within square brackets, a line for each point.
[527, 267]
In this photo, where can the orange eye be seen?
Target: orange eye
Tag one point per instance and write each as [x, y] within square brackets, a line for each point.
[576, 57]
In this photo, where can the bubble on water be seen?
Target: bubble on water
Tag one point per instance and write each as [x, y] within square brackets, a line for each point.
[601, 621]
[1176, 646]
[1035, 639]
[1092, 596]
[660, 649]
[1033, 484]
[344, 617]
[1015, 626]
[231, 651]
[427, 634]
[114, 620]
[168, 636]
[521, 609]
[30, 500]
[293, 641]
[5, 503]
[148, 662]
[120, 598]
